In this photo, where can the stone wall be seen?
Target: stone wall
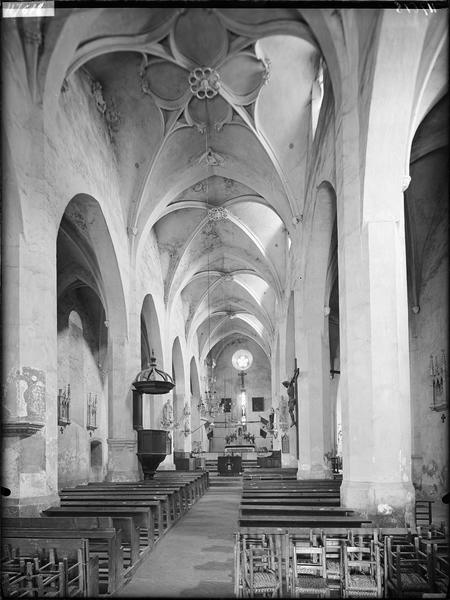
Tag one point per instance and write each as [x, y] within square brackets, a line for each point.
[427, 199]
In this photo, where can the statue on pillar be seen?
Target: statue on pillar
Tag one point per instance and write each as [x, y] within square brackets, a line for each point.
[272, 419]
[291, 387]
[167, 417]
[187, 418]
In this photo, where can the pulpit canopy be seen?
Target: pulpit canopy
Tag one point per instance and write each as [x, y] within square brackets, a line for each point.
[152, 380]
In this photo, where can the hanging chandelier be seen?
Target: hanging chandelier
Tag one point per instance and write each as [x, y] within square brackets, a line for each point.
[210, 404]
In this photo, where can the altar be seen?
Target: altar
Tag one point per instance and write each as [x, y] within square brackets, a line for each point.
[240, 442]
[239, 448]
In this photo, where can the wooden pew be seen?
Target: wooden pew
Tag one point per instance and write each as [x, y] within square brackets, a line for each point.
[290, 486]
[58, 522]
[277, 509]
[194, 483]
[82, 499]
[291, 498]
[285, 521]
[291, 493]
[202, 476]
[64, 545]
[184, 492]
[166, 501]
[172, 495]
[127, 521]
[268, 473]
[200, 480]
[307, 483]
[289, 501]
[300, 493]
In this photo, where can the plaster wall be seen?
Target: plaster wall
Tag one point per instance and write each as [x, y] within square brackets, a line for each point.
[428, 194]
[78, 366]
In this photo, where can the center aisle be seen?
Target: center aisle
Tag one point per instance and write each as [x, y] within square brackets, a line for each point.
[195, 558]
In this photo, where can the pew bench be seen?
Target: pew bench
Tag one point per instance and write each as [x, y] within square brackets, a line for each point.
[277, 509]
[291, 498]
[166, 502]
[127, 522]
[181, 493]
[310, 521]
[287, 501]
[156, 518]
[202, 478]
[200, 481]
[300, 493]
[173, 496]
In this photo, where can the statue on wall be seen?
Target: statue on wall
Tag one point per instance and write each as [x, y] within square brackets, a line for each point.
[283, 414]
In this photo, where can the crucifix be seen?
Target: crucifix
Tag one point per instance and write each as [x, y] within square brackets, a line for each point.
[242, 374]
[291, 387]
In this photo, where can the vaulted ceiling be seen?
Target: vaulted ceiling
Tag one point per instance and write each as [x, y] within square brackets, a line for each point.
[213, 108]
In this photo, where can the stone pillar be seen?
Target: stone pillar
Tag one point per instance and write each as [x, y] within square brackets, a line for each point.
[375, 373]
[275, 381]
[318, 397]
[122, 444]
[312, 389]
[29, 345]
[372, 279]
[30, 461]
[288, 459]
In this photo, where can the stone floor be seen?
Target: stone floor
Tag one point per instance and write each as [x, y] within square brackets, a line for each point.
[195, 558]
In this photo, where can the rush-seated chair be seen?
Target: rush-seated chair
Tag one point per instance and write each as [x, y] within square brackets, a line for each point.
[308, 572]
[362, 572]
[262, 575]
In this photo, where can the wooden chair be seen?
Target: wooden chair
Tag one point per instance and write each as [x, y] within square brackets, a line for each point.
[332, 543]
[45, 576]
[308, 572]
[407, 571]
[361, 571]
[262, 574]
[440, 572]
[246, 541]
[423, 512]
[34, 568]
[437, 553]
